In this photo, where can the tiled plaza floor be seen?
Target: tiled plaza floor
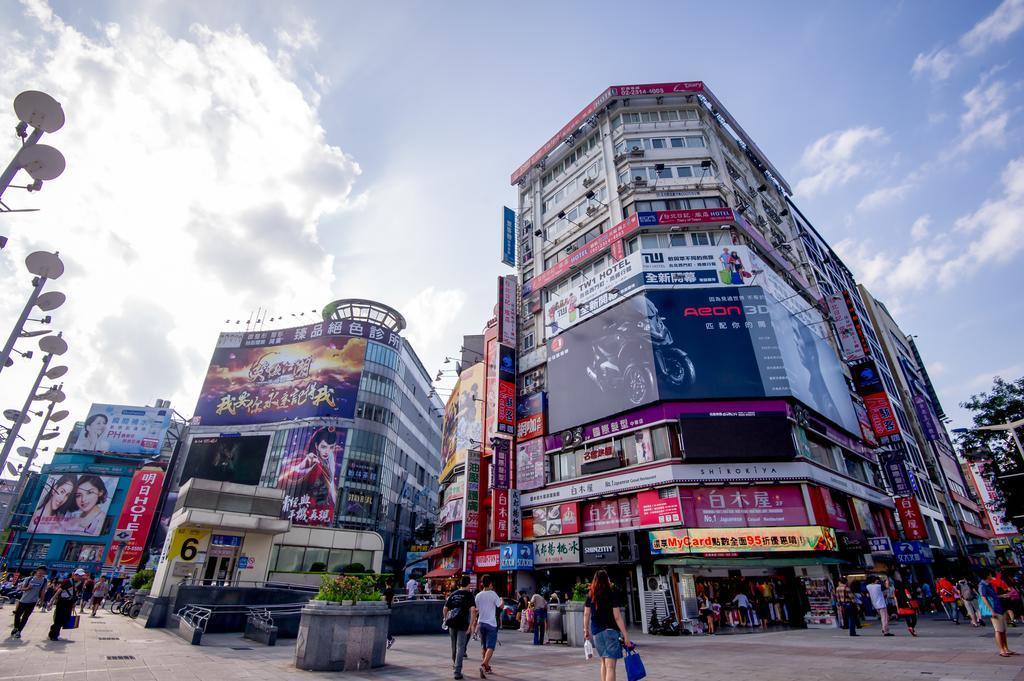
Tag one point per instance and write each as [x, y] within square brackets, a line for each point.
[114, 648]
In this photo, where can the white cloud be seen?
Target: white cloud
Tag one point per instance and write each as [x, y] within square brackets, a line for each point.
[985, 119]
[430, 313]
[832, 161]
[919, 230]
[883, 196]
[198, 180]
[997, 27]
[937, 64]
[995, 231]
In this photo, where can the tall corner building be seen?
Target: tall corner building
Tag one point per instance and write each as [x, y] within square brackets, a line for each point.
[691, 335]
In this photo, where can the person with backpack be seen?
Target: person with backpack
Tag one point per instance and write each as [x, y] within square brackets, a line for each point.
[485, 622]
[459, 610]
[31, 587]
[990, 606]
[969, 598]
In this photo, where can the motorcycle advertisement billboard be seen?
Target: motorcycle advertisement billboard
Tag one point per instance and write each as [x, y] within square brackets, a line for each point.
[705, 343]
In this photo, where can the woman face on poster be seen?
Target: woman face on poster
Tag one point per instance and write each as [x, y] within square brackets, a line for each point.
[56, 505]
[95, 427]
[90, 495]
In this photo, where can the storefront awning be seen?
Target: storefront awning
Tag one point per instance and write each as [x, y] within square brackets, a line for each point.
[693, 561]
[440, 573]
[440, 550]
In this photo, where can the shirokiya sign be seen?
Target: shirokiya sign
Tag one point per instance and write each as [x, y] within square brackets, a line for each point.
[302, 372]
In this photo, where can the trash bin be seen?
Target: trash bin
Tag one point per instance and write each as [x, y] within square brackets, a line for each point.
[556, 628]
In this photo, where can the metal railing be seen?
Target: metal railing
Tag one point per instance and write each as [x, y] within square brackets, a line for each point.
[198, 616]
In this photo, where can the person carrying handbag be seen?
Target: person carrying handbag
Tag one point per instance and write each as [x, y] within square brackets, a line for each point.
[64, 606]
[603, 623]
[990, 606]
[907, 606]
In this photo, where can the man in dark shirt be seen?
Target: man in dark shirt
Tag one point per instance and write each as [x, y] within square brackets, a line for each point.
[457, 614]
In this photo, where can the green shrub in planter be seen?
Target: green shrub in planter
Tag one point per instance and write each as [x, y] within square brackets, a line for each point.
[348, 588]
[143, 579]
[354, 568]
[318, 567]
[580, 591]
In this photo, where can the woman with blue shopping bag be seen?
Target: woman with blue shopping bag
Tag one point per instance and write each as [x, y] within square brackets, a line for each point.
[603, 624]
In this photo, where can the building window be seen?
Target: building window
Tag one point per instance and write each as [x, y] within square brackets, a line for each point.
[375, 352]
[375, 412]
[529, 341]
[84, 553]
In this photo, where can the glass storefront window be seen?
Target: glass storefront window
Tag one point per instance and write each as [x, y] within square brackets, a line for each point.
[339, 559]
[365, 558]
[314, 556]
[289, 558]
[661, 437]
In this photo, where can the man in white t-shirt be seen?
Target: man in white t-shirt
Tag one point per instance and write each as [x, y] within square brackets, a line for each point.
[877, 594]
[485, 621]
[412, 587]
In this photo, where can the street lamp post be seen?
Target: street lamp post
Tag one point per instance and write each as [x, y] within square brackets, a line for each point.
[45, 266]
[42, 113]
[51, 345]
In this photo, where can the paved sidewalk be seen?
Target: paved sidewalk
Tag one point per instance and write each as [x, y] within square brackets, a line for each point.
[114, 648]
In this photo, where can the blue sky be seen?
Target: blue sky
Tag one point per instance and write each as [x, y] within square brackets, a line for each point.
[224, 156]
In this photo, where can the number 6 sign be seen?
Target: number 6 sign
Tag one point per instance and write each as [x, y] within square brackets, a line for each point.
[185, 544]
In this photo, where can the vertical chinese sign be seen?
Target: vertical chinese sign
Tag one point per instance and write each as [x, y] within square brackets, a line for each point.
[140, 505]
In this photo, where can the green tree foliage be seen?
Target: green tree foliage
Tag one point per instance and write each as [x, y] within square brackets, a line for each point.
[1004, 403]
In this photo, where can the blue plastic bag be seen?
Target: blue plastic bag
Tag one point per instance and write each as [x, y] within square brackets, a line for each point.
[634, 665]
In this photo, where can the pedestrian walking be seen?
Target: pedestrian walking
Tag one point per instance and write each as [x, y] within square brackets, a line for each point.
[948, 596]
[990, 606]
[969, 598]
[51, 588]
[88, 585]
[389, 598]
[523, 606]
[485, 622]
[99, 593]
[603, 623]
[907, 606]
[63, 603]
[459, 611]
[31, 589]
[539, 606]
[876, 594]
[848, 607]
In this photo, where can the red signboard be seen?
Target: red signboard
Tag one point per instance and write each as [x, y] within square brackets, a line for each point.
[610, 514]
[500, 515]
[140, 506]
[487, 561]
[911, 518]
[830, 512]
[883, 420]
[659, 507]
[758, 506]
[506, 407]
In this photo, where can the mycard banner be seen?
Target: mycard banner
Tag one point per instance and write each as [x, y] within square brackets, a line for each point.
[743, 540]
[123, 429]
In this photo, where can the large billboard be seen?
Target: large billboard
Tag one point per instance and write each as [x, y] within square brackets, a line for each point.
[226, 458]
[707, 343]
[73, 503]
[307, 371]
[123, 429]
[310, 473]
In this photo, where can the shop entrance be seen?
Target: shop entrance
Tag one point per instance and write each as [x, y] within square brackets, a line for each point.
[221, 560]
[739, 599]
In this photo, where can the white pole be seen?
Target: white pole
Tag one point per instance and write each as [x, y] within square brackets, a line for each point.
[20, 324]
[12, 436]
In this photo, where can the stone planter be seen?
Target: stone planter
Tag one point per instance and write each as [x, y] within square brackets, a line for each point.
[573, 623]
[337, 637]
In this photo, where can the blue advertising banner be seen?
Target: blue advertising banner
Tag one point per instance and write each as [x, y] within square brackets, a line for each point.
[912, 552]
[896, 471]
[516, 557]
[508, 241]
